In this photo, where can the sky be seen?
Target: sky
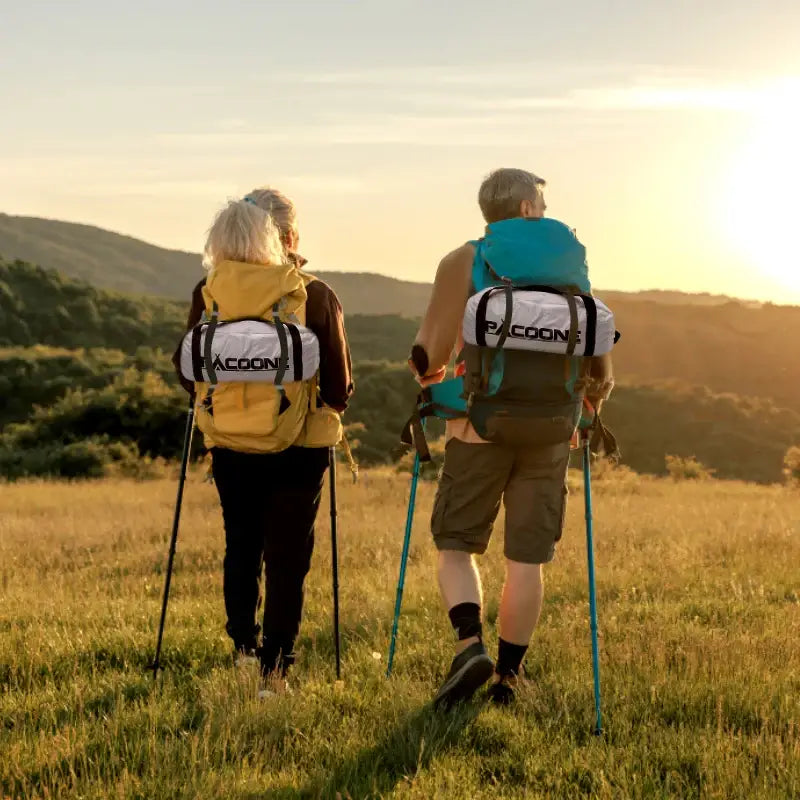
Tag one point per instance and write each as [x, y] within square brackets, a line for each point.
[667, 131]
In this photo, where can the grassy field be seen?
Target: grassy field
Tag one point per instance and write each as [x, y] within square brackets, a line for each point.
[700, 620]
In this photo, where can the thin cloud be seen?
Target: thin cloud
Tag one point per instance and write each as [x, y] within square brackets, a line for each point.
[495, 77]
[641, 98]
[328, 184]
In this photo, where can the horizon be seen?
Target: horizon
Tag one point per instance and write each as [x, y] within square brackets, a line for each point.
[343, 271]
[668, 141]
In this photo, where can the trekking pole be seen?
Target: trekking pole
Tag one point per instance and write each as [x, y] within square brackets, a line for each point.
[587, 495]
[403, 561]
[187, 447]
[335, 560]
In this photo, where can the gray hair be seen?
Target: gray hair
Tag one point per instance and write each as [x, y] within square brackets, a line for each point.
[503, 191]
[278, 205]
[243, 231]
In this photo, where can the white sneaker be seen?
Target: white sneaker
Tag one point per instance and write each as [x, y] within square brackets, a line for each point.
[273, 687]
[246, 659]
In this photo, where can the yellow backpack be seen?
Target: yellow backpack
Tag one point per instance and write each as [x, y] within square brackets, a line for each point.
[257, 417]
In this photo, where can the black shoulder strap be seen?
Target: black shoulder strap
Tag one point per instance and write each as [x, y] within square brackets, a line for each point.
[197, 357]
[212, 326]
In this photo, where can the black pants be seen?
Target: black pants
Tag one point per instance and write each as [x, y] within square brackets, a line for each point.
[269, 505]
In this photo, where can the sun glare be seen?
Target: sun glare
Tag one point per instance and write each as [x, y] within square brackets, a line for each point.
[762, 199]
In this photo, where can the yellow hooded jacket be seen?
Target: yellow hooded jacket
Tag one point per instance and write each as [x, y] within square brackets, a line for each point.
[246, 416]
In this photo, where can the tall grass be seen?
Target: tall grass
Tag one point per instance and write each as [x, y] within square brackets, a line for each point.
[698, 590]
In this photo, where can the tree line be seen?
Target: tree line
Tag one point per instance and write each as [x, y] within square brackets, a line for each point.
[88, 386]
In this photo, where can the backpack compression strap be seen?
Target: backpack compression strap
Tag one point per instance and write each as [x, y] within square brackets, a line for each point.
[443, 400]
[413, 435]
[209, 364]
[207, 356]
[602, 438]
[297, 350]
[507, 287]
[283, 362]
[197, 358]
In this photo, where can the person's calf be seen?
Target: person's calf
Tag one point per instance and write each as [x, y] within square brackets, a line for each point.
[521, 601]
[459, 581]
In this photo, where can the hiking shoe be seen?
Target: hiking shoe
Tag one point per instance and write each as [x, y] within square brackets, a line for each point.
[246, 658]
[502, 692]
[273, 686]
[471, 668]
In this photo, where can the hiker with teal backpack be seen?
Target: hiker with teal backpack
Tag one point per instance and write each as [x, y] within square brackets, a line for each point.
[533, 355]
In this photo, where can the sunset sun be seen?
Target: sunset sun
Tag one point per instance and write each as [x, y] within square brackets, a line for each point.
[760, 210]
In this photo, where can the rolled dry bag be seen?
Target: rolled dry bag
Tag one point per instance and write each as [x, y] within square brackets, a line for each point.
[540, 321]
[250, 350]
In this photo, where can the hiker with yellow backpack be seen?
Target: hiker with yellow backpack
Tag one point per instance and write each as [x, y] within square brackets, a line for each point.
[268, 363]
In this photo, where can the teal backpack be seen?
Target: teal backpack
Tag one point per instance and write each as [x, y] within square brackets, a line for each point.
[521, 398]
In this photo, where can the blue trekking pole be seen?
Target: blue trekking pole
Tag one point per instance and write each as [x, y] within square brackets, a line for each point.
[587, 495]
[403, 561]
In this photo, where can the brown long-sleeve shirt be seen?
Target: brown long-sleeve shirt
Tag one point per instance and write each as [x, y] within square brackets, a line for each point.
[324, 316]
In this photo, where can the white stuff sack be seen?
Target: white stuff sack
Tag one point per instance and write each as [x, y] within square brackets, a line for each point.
[540, 321]
[249, 350]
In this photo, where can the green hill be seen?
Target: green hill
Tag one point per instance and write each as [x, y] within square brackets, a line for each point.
[43, 307]
[39, 306]
[114, 261]
[100, 257]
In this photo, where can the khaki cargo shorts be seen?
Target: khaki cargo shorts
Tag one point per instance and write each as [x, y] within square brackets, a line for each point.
[531, 483]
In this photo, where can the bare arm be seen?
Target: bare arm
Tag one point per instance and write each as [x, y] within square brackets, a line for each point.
[601, 380]
[441, 325]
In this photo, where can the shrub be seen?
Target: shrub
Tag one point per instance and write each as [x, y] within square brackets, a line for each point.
[791, 466]
[127, 428]
[609, 469]
[96, 457]
[687, 469]
[429, 471]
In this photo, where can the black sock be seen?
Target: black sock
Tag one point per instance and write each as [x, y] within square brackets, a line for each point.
[509, 658]
[466, 619]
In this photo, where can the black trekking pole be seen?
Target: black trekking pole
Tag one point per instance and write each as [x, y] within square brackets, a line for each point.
[187, 447]
[335, 560]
